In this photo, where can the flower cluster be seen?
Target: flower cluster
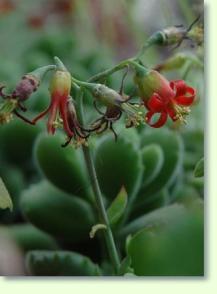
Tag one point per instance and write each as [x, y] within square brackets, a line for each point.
[158, 97]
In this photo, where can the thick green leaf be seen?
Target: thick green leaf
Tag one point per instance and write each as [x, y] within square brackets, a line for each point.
[56, 212]
[118, 164]
[5, 199]
[157, 218]
[153, 158]
[63, 167]
[172, 147]
[177, 250]
[117, 207]
[186, 194]
[199, 168]
[14, 179]
[17, 139]
[60, 263]
[157, 200]
[27, 237]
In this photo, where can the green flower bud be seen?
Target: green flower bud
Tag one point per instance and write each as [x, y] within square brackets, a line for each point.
[106, 95]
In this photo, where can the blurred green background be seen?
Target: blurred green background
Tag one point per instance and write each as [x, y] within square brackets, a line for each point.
[48, 230]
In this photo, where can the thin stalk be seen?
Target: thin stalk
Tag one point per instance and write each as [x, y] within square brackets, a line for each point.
[90, 82]
[113, 253]
[109, 71]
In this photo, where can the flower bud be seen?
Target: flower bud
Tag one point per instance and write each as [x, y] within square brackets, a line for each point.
[173, 35]
[107, 95]
[30, 83]
[167, 36]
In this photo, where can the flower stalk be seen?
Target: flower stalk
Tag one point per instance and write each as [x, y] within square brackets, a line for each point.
[98, 197]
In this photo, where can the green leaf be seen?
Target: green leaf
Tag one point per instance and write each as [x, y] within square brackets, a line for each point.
[175, 250]
[5, 199]
[28, 237]
[186, 194]
[117, 207]
[57, 212]
[118, 164]
[17, 140]
[14, 180]
[172, 147]
[60, 263]
[157, 218]
[157, 200]
[153, 158]
[199, 168]
[63, 167]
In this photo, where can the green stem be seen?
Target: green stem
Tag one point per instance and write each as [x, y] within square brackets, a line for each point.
[113, 253]
[110, 71]
[90, 84]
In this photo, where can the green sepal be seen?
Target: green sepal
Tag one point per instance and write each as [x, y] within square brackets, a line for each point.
[40, 72]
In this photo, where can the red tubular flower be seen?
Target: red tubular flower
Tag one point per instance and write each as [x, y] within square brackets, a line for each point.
[60, 91]
[163, 97]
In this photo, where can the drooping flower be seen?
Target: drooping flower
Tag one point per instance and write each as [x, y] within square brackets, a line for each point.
[23, 90]
[60, 87]
[163, 97]
[28, 84]
[80, 134]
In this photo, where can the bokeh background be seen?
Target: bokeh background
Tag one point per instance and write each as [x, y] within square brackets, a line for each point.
[89, 36]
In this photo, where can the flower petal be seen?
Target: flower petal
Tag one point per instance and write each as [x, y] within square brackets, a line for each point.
[179, 86]
[52, 117]
[156, 103]
[161, 121]
[172, 113]
[63, 112]
[42, 114]
[187, 99]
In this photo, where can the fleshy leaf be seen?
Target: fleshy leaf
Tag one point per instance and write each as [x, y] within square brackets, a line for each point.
[175, 250]
[172, 147]
[60, 263]
[63, 167]
[56, 212]
[18, 149]
[29, 237]
[118, 163]
[5, 199]
[152, 156]
[159, 217]
[117, 207]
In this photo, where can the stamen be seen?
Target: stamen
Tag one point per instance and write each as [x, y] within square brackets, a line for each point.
[181, 113]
